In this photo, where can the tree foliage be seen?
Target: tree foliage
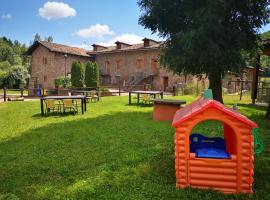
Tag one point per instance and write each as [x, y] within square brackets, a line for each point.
[49, 39]
[37, 37]
[91, 74]
[205, 37]
[63, 81]
[14, 67]
[77, 74]
[16, 77]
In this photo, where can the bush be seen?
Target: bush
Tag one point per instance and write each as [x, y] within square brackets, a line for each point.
[16, 77]
[60, 81]
[77, 74]
[91, 74]
[104, 89]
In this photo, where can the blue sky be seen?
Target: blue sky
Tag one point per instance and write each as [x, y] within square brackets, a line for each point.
[74, 22]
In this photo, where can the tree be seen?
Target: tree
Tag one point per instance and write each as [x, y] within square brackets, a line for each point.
[16, 77]
[77, 74]
[4, 66]
[37, 37]
[49, 39]
[205, 37]
[91, 74]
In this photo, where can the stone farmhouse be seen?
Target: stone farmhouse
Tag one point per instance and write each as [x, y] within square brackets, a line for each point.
[49, 61]
[120, 64]
[123, 64]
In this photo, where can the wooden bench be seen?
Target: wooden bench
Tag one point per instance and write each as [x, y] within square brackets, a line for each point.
[15, 98]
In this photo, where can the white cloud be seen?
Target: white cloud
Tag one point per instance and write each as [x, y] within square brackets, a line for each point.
[95, 31]
[56, 10]
[7, 16]
[126, 38]
[83, 45]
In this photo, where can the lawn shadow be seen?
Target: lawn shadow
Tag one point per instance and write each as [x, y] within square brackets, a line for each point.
[53, 159]
[140, 105]
[54, 114]
[123, 155]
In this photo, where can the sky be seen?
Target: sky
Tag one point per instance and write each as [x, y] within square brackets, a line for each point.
[77, 23]
[73, 22]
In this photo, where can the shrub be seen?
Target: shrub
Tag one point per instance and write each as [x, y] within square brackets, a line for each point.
[60, 81]
[91, 74]
[104, 89]
[16, 77]
[77, 74]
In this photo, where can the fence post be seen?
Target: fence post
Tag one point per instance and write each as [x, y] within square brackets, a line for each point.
[21, 89]
[241, 90]
[119, 90]
[174, 91]
[5, 94]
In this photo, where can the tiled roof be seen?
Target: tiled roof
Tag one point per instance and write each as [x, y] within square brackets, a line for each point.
[83, 52]
[59, 48]
[134, 47]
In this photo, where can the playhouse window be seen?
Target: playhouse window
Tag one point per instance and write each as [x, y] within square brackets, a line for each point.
[212, 139]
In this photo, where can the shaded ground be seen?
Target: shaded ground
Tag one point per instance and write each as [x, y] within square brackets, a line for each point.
[114, 151]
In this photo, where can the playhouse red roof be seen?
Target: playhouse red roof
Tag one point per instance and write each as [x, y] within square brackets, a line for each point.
[200, 105]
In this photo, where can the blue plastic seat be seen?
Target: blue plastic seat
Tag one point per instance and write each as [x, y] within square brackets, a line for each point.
[208, 147]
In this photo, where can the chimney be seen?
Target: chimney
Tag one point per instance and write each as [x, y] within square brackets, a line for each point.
[97, 47]
[149, 42]
[121, 45]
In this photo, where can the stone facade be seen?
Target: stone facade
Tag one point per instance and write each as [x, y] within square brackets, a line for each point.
[46, 66]
[122, 64]
[135, 67]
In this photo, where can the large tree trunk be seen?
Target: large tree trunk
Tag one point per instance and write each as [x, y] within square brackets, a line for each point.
[216, 85]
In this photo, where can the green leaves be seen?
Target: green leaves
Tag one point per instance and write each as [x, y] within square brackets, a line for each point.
[77, 74]
[85, 75]
[91, 74]
[205, 37]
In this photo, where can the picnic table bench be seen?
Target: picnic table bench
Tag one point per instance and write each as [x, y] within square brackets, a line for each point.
[154, 94]
[82, 98]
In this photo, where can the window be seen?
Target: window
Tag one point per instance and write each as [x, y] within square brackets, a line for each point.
[118, 64]
[229, 82]
[154, 64]
[107, 67]
[45, 78]
[238, 82]
[45, 60]
[139, 63]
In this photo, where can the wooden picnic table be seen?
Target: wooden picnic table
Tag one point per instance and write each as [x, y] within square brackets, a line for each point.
[164, 109]
[82, 98]
[138, 92]
[86, 92]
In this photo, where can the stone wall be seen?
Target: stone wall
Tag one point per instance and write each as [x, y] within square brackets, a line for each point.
[131, 67]
[46, 66]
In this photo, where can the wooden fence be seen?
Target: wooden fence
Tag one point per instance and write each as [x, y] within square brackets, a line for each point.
[104, 90]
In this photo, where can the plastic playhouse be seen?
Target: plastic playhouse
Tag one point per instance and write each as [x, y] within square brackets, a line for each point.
[221, 164]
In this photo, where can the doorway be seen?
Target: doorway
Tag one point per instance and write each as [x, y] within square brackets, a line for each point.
[165, 83]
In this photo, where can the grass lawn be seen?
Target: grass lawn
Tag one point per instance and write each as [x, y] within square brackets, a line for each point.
[114, 151]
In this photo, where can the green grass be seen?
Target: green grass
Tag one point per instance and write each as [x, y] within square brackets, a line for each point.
[114, 151]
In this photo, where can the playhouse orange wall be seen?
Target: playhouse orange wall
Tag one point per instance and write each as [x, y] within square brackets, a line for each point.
[233, 175]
